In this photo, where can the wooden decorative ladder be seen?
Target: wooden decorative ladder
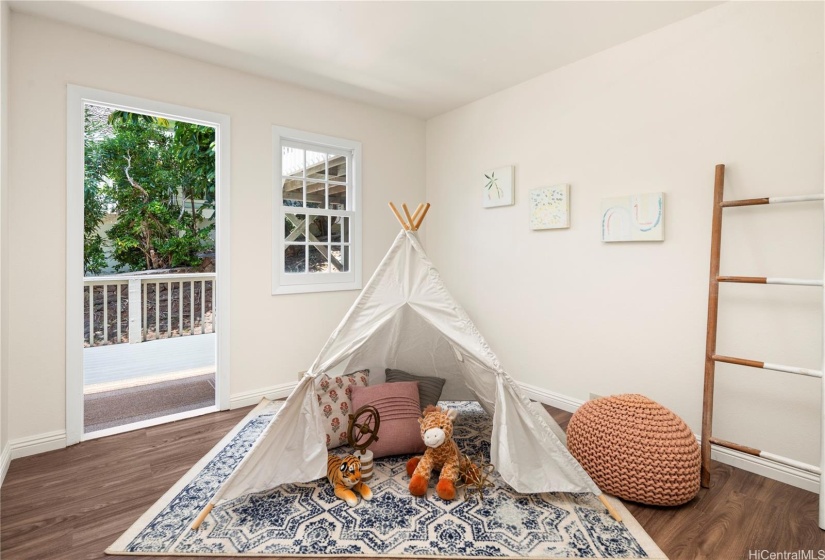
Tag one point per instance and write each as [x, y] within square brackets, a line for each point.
[711, 357]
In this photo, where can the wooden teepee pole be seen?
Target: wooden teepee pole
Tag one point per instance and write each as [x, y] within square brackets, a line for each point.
[421, 217]
[417, 212]
[413, 221]
[407, 214]
[398, 216]
[198, 520]
[610, 509]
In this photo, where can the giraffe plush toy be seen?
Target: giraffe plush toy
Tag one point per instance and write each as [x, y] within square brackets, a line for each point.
[441, 454]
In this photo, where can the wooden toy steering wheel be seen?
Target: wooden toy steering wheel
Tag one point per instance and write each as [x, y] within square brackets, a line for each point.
[362, 429]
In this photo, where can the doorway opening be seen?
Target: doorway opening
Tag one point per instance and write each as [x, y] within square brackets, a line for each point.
[151, 294]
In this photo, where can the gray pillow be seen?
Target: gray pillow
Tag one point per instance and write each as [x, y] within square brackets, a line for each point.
[429, 388]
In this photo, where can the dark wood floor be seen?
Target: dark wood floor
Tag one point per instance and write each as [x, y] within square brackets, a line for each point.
[73, 503]
[740, 513]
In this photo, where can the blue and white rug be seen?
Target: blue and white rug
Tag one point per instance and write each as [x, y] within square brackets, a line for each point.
[308, 520]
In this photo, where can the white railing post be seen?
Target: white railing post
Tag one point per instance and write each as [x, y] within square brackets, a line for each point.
[135, 311]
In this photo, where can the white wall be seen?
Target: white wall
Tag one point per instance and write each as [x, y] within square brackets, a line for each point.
[740, 84]
[273, 337]
[4, 238]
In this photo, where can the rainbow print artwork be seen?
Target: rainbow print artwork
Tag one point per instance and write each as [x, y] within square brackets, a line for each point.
[638, 217]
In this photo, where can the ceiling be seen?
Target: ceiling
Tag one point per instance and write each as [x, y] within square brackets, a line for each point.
[420, 58]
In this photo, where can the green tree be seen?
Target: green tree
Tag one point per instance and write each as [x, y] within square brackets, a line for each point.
[94, 209]
[194, 150]
[159, 177]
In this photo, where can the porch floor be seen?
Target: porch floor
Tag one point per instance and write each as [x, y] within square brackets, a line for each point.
[107, 409]
[119, 366]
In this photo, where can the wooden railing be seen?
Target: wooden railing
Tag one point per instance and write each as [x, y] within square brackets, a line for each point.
[139, 308]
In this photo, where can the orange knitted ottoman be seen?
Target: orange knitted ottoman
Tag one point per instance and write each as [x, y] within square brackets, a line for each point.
[636, 449]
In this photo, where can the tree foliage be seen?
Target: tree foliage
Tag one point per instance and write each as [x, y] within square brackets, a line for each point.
[94, 208]
[158, 176]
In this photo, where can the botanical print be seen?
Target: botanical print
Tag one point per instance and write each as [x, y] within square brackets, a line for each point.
[498, 187]
[550, 207]
[638, 217]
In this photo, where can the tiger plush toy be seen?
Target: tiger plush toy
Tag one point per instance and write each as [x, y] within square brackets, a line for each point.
[344, 473]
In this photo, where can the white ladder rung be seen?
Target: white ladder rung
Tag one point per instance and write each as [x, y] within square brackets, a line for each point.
[770, 200]
[791, 462]
[766, 280]
[765, 455]
[797, 198]
[767, 365]
[792, 369]
[794, 281]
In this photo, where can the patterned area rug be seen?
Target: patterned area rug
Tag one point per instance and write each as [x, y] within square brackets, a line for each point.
[307, 519]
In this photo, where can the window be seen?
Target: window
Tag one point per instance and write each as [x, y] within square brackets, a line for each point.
[317, 213]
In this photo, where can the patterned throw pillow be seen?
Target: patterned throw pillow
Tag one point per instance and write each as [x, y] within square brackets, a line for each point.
[429, 388]
[397, 404]
[335, 401]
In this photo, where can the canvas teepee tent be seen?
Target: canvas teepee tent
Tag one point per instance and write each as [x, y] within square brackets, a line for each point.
[405, 318]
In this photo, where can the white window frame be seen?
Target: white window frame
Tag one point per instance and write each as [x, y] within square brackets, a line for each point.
[297, 283]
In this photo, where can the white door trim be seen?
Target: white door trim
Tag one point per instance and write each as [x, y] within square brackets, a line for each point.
[76, 96]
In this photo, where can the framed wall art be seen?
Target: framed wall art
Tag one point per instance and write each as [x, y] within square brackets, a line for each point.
[498, 187]
[638, 217]
[550, 207]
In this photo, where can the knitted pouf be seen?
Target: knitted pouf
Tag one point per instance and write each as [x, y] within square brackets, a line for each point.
[636, 449]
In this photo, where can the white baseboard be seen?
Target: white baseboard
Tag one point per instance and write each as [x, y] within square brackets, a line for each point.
[550, 398]
[758, 465]
[239, 400]
[5, 461]
[40, 443]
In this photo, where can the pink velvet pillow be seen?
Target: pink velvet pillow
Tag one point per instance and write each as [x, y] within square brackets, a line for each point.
[399, 409]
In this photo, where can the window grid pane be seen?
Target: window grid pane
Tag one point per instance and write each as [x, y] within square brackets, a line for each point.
[291, 191]
[338, 166]
[318, 258]
[295, 228]
[314, 180]
[337, 259]
[292, 161]
[314, 258]
[318, 185]
[295, 259]
[316, 165]
[316, 243]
